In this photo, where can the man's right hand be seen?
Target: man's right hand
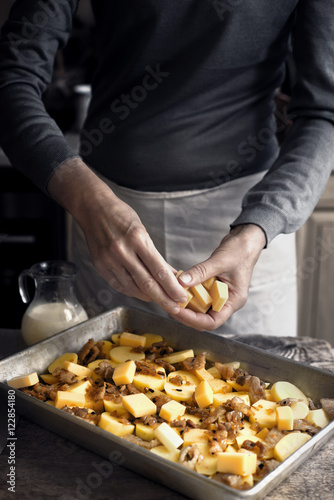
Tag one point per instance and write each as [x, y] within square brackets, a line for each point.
[120, 247]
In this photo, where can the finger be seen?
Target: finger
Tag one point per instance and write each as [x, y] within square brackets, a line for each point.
[163, 273]
[148, 285]
[209, 321]
[200, 272]
[126, 286]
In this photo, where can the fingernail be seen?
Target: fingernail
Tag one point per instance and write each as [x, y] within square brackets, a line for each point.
[176, 310]
[186, 278]
[182, 299]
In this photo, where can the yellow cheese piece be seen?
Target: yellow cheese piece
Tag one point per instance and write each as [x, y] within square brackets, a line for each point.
[49, 402]
[317, 417]
[80, 387]
[139, 405]
[209, 282]
[107, 345]
[231, 449]
[124, 373]
[179, 356]
[111, 407]
[241, 464]
[155, 382]
[264, 413]
[214, 372]
[218, 385]
[284, 418]
[24, 380]
[79, 370]
[299, 410]
[202, 295]
[162, 451]
[145, 432]
[59, 362]
[207, 464]
[171, 410]
[203, 374]
[114, 426]
[219, 295]
[67, 398]
[289, 444]
[263, 433]
[204, 394]
[122, 353]
[283, 390]
[220, 398]
[168, 436]
[196, 306]
[195, 436]
[249, 480]
[269, 396]
[132, 340]
[237, 387]
[152, 338]
[48, 378]
[189, 298]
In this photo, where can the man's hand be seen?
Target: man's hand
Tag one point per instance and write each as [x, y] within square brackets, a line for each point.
[119, 245]
[232, 262]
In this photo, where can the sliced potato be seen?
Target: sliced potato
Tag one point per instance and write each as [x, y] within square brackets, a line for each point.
[289, 444]
[123, 353]
[283, 390]
[59, 362]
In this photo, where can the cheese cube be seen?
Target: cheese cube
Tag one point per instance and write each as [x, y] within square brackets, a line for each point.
[264, 413]
[220, 398]
[162, 451]
[24, 380]
[145, 432]
[284, 418]
[209, 282]
[139, 405]
[218, 385]
[246, 429]
[59, 362]
[214, 372]
[202, 295]
[241, 464]
[203, 374]
[189, 297]
[124, 373]
[67, 398]
[132, 340]
[80, 387]
[114, 426]
[96, 405]
[204, 394]
[219, 295]
[168, 437]
[196, 306]
[79, 370]
[155, 382]
[179, 356]
[171, 410]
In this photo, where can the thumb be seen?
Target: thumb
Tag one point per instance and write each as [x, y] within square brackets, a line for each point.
[197, 274]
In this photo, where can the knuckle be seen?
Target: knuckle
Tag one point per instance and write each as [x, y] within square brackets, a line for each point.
[201, 271]
[147, 286]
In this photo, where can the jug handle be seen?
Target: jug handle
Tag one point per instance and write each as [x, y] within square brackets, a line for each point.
[23, 289]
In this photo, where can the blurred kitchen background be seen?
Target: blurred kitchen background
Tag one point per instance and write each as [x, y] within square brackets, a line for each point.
[33, 227]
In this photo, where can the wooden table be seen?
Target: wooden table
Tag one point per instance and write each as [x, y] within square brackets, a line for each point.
[50, 467]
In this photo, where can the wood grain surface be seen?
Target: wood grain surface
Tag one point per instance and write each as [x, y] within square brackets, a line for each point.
[50, 467]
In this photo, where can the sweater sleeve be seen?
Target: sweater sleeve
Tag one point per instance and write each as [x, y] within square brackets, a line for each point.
[283, 200]
[30, 39]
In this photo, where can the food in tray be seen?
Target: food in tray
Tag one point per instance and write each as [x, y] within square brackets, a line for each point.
[213, 418]
[211, 294]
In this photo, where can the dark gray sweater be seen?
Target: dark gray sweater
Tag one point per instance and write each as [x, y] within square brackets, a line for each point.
[182, 97]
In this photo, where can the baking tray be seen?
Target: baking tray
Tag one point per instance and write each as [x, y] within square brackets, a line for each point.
[313, 382]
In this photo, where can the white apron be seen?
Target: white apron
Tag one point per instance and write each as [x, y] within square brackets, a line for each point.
[186, 226]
